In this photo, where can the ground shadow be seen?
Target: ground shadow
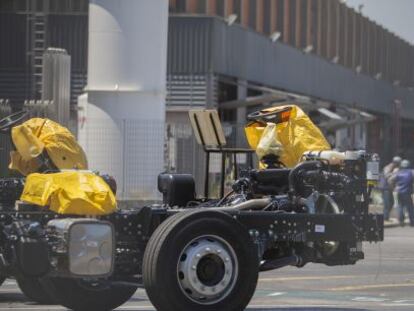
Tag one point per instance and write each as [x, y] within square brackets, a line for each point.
[310, 308]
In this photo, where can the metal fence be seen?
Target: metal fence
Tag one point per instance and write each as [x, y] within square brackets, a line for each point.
[5, 144]
[130, 150]
[182, 154]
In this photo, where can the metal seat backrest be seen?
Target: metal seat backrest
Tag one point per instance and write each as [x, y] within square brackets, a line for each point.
[207, 128]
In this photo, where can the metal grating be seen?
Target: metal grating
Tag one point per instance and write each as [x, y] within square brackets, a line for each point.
[186, 91]
[191, 91]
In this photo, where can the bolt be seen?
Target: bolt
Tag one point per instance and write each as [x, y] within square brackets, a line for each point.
[218, 251]
[208, 249]
[198, 256]
[194, 267]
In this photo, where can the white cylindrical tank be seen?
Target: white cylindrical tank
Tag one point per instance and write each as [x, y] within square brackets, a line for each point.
[122, 113]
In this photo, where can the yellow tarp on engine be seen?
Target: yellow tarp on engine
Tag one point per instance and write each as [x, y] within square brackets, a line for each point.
[70, 192]
[296, 134]
[37, 135]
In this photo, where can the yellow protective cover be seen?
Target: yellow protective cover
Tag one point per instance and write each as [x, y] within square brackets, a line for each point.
[297, 134]
[37, 135]
[70, 192]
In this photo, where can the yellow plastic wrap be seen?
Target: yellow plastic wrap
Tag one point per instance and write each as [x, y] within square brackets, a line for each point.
[296, 134]
[269, 143]
[70, 193]
[37, 135]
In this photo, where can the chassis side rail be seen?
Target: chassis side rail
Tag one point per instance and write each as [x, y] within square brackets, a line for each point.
[313, 228]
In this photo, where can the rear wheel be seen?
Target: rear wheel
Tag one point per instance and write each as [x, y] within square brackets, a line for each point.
[33, 289]
[82, 295]
[201, 260]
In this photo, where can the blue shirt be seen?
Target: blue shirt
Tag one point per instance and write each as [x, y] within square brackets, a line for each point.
[404, 181]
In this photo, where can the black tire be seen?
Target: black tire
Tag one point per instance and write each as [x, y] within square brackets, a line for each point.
[79, 295]
[33, 289]
[2, 279]
[164, 253]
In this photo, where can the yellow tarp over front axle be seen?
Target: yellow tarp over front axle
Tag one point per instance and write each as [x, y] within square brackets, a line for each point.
[70, 192]
[295, 135]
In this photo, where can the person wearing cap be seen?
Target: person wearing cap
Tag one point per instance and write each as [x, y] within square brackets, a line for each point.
[403, 181]
[386, 187]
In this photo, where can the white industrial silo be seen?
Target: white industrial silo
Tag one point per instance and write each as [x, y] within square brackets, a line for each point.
[122, 113]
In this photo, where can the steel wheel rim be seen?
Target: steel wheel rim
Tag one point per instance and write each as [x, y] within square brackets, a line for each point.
[207, 269]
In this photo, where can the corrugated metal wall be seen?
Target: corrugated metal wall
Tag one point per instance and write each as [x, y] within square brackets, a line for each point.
[13, 77]
[329, 28]
[237, 52]
[182, 34]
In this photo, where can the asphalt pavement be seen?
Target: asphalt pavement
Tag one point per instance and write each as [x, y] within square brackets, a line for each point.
[383, 281]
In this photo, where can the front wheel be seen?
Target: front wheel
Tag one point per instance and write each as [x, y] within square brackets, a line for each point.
[82, 295]
[202, 260]
[33, 289]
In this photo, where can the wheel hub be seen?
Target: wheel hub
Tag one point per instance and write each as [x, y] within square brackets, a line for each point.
[207, 269]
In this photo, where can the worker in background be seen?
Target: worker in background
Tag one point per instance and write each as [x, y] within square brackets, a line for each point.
[386, 187]
[403, 180]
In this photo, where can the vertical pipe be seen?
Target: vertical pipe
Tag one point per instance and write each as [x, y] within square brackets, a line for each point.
[125, 94]
[298, 24]
[245, 13]
[286, 21]
[259, 16]
[309, 23]
[338, 25]
[319, 28]
[191, 6]
[273, 16]
[355, 42]
[212, 7]
[329, 29]
[229, 7]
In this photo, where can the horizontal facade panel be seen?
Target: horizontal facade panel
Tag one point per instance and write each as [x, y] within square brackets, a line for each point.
[189, 42]
[247, 55]
[12, 41]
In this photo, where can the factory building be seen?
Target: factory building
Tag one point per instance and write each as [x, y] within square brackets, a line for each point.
[353, 76]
